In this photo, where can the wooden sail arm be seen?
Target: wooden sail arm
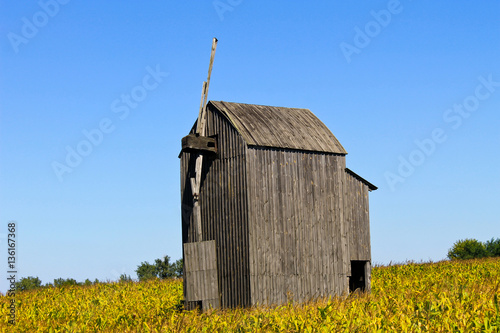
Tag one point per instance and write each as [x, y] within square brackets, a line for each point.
[201, 114]
[202, 117]
[199, 143]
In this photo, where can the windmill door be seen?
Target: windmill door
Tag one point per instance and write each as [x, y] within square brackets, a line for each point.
[200, 275]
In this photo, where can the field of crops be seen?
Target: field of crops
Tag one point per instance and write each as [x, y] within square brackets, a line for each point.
[440, 297]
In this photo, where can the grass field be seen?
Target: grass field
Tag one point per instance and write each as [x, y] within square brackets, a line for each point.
[435, 297]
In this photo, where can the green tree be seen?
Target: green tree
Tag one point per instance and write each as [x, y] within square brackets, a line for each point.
[467, 249]
[493, 247]
[125, 278]
[179, 268]
[146, 271]
[162, 268]
[28, 283]
[60, 282]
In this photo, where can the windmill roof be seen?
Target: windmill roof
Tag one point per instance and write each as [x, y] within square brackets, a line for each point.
[280, 127]
[371, 187]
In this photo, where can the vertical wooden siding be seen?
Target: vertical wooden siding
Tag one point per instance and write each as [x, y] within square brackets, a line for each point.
[298, 245]
[223, 201]
[200, 274]
[357, 218]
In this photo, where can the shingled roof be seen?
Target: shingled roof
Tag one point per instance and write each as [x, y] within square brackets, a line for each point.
[280, 127]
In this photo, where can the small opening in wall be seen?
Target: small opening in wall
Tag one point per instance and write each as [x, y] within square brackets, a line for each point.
[357, 280]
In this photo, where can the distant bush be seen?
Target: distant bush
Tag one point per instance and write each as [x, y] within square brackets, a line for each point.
[493, 247]
[162, 269]
[65, 282]
[468, 249]
[146, 271]
[125, 278]
[165, 269]
[28, 283]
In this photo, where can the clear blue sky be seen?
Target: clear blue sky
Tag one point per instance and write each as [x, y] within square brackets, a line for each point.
[410, 88]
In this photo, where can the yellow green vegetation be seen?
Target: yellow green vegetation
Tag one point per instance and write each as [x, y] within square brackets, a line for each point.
[457, 296]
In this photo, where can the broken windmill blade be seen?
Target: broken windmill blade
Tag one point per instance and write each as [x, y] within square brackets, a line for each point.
[199, 144]
[201, 126]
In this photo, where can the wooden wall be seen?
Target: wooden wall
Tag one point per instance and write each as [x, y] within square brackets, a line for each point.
[298, 243]
[357, 218]
[223, 201]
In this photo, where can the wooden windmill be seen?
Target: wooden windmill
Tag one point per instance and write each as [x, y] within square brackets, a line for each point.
[270, 213]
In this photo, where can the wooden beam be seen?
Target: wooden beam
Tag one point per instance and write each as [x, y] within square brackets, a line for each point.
[201, 132]
[202, 126]
[199, 144]
[200, 112]
[197, 219]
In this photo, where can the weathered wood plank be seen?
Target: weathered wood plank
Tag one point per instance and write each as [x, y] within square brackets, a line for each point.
[201, 271]
[356, 205]
[199, 144]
